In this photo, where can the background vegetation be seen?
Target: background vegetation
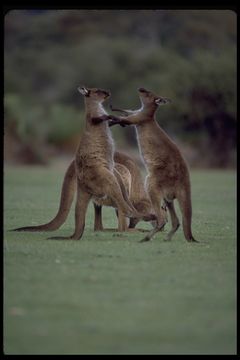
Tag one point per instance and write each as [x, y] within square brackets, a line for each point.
[186, 55]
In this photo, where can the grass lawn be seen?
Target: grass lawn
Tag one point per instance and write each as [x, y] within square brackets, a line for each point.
[110, 294]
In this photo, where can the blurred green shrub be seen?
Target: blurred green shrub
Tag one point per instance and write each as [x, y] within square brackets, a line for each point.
[54, 123]
[64, 122]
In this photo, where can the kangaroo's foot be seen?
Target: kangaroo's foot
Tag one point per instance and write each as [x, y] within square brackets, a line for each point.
[153, 232]
[130, 230]
[62, 238]
[192, 240]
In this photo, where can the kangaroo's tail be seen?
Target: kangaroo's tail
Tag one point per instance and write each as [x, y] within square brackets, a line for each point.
[184, 199]
[67, 195]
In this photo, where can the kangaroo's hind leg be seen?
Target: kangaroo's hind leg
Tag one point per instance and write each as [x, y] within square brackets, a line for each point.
[122, 222]
[110, 187]
[123, 189]
[98, 225]
[156, 199]
[174, 219]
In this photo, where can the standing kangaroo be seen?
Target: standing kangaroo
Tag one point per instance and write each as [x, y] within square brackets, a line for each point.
[168, 177]
[132, 182]
[92, 170]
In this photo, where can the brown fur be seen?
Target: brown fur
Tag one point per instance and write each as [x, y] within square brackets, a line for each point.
[138, 194]
[94, 168]
[168, 176]
[124, 173]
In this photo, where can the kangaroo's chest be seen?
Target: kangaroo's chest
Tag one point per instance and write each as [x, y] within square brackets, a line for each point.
[150, 151]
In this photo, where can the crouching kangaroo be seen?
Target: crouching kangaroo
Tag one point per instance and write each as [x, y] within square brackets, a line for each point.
[107, 201]
[138, 195]
[92, 170]
[168, 175]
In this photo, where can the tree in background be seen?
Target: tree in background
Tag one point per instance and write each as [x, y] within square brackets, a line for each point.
[186, 55]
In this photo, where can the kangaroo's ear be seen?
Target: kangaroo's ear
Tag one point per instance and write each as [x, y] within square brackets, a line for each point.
[84, 91]
[162, 101]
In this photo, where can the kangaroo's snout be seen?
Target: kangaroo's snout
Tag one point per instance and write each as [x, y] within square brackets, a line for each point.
[141, 89]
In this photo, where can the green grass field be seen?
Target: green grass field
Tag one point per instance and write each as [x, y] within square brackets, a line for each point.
[110, 294]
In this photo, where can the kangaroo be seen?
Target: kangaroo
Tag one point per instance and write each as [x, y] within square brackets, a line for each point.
[67, 194]
[69, 187]
[168, 175]
[137, 192]
[92, 169]
[98, 203]
[133, 183]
